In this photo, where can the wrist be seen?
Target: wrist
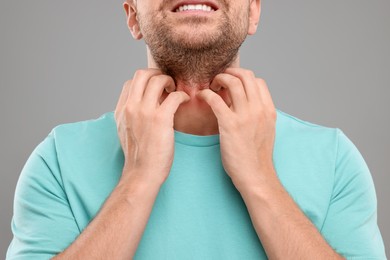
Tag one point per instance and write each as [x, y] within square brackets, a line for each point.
[148, 176]
[133, 188]
[253, 180]
[269, 196]
[263, 186]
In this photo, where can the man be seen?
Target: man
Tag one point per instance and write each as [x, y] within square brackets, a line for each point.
[195, 162]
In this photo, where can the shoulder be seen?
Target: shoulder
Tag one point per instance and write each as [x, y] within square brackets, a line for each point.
[301, 133]
[83, 131]
[298, 123]
[85, 128]
[292, 127]
[326, 147]
[81, 138]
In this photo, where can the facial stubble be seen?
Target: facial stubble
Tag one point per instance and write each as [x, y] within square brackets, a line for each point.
[190, 59]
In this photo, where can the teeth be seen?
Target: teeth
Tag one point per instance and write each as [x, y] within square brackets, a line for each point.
[205, 8]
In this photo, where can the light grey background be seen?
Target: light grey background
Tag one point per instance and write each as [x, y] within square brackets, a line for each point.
[326, 62]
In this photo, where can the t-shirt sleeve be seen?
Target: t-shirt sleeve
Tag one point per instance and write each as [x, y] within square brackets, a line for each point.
[351, 225]
[43, 224]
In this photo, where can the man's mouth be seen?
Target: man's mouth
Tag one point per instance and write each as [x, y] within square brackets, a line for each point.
[204, 8]
[195, 6]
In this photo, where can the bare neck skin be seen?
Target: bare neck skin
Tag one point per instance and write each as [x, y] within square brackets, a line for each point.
[196, 116]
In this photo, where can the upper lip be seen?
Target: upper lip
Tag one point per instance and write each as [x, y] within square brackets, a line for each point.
[208, 3]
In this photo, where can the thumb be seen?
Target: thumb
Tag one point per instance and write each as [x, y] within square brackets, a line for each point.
[216, 103]
[173, 101]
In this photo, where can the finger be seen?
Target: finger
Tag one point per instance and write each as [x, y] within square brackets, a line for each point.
[155, 88]
[219, 107]
[249, 82]
[173, 101]
[140, 80]
[235, 89]
[265, 94]
[123, 96]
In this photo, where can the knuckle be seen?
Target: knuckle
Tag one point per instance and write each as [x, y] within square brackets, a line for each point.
[249, 73]
[127, 82]
[146, 72]
[153, 80]
[158, 80]
[218, 77]
[153, 70]
[273, 114]
[164, 77]
[130, 111]
[261, 81]
[139, 73]
[236, 70]
[236, 82]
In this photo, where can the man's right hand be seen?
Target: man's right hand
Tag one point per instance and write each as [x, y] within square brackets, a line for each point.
[144, 118]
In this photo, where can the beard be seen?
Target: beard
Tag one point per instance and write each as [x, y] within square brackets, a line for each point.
[194, 57]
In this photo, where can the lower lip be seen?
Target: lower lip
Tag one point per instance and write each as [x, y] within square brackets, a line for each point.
[195, 12]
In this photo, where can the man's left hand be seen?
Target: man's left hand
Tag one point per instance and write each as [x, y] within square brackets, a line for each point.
[246, 126]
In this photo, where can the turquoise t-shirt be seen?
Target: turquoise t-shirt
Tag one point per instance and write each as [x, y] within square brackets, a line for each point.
[198, 213]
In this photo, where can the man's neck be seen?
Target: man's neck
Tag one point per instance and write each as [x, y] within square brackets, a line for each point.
[195, 116]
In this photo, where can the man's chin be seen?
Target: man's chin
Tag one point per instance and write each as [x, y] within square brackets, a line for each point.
[194, 45]
[194, 39]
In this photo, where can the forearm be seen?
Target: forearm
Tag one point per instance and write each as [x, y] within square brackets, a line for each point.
[116, 230]
[282, 227]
